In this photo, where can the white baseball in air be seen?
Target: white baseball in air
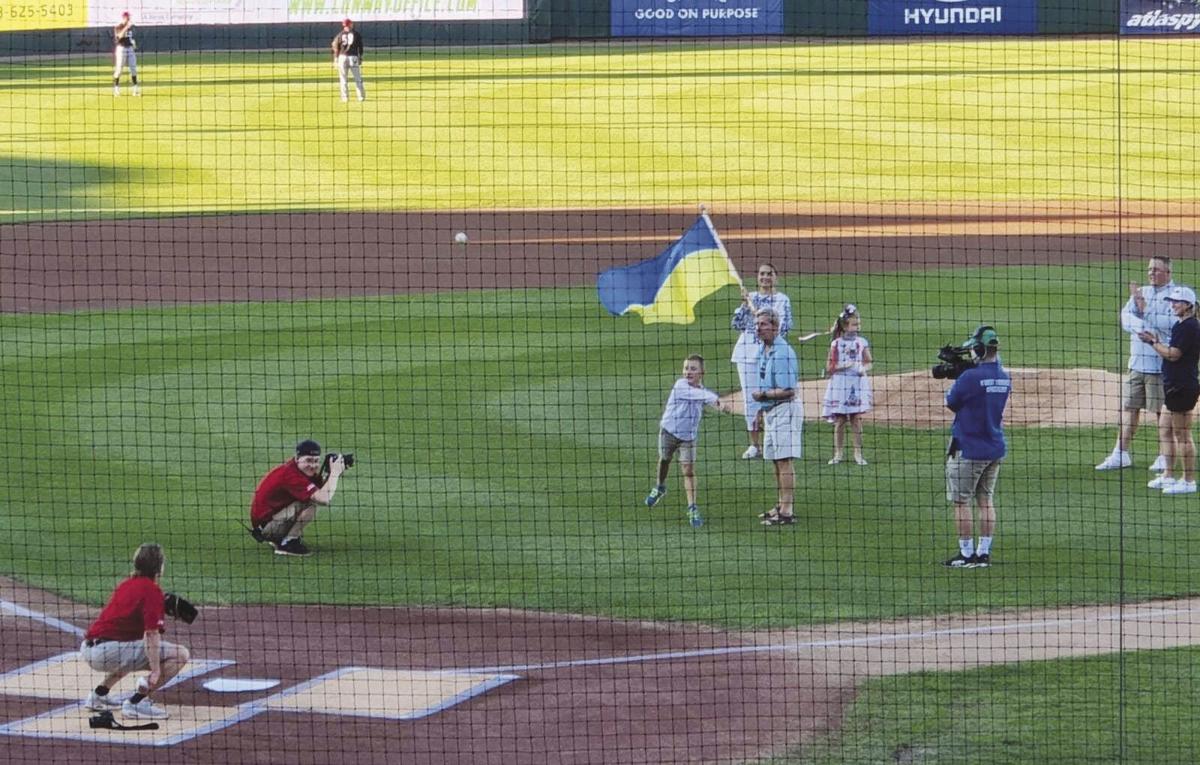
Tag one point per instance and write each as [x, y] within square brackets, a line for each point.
[460, 238]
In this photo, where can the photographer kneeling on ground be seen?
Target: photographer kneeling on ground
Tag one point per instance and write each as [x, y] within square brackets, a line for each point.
[286, 499]
[977, 446]
[127, 637]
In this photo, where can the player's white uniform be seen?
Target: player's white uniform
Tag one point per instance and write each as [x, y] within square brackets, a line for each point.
[848, 390]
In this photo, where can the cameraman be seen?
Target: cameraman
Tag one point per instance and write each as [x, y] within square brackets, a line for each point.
[286, 499]
[977, 447]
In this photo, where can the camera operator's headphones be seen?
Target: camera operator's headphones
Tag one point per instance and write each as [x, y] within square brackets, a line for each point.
[985, 337]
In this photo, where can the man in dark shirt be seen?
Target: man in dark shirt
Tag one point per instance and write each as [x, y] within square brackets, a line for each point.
[1181, 389]
[347, 48]
[977, 447]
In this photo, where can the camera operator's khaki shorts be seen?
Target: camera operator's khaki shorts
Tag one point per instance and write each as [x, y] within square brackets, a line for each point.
[281, 523]
[1142, 391]
[970, 479]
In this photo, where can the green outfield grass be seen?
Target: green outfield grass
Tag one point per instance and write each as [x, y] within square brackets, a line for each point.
[504, 457]
[604, 125]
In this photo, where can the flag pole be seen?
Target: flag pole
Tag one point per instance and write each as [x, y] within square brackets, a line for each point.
[720, 245]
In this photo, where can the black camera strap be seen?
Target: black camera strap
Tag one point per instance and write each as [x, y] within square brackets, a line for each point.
[107, 721]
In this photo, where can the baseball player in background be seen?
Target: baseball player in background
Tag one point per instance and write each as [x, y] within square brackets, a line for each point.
[124, 52]
[347, 58]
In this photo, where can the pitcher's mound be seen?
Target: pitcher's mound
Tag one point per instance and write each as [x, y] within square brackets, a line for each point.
[1049, 398]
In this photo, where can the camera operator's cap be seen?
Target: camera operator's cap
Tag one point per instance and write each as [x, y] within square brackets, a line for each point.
[984, 335]
[308, 448]
[347, 22]
[1181, 294]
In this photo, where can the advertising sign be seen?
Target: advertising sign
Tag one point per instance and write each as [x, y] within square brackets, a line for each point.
[696, 18]
[951, 17]
[1160, 17]
[61, 14]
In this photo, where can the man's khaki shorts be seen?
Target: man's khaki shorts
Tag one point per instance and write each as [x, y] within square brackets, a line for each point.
[783, 431]
[970, 479]
[281, 523]
[121, 656]
[1142, 391]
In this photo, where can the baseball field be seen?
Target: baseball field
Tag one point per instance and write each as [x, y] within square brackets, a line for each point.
[196, 279]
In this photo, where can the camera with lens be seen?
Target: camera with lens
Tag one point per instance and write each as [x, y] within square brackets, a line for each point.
[954, 360]
[348, 459]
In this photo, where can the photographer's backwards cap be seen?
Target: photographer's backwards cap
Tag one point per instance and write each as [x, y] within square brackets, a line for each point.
[308, 448]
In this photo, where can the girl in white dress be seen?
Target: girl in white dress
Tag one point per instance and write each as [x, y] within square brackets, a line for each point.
[848, 394]
[745, 351]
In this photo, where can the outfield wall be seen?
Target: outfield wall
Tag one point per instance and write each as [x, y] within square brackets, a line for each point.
[545, 20]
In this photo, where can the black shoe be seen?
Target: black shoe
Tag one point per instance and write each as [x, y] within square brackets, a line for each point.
[293, 547]
[982, 561]
[779, 519]
[959, 561]
[257, 534]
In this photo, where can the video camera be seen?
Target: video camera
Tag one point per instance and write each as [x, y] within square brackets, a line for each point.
[955, 361]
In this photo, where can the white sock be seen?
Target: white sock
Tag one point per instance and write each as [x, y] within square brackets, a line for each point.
[966, 547]
[288, 539]
[985, 545]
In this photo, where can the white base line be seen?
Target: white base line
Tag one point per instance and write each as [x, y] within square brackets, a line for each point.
[37, 616]
[897, 637]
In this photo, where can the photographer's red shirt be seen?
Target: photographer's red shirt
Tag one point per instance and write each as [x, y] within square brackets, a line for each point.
[278, 489]
[135, 608]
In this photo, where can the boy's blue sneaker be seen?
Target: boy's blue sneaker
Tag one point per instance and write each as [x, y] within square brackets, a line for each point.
[655, 495]
[694, 517]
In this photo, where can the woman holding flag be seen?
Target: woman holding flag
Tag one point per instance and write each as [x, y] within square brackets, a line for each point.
[748, 346]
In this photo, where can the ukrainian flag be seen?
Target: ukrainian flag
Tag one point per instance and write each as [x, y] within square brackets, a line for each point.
[668, 287]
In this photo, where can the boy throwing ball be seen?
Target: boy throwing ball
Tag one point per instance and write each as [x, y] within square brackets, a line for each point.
[679, 427]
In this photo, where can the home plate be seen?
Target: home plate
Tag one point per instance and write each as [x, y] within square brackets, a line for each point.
[238, 684]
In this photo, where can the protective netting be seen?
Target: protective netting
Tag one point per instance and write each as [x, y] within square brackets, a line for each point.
[516, 271]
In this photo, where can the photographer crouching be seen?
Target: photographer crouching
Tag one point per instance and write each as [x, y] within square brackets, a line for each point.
[286, 499]
[977, 446]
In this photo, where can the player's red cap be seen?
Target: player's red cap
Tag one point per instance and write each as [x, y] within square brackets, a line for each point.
[346, 22]
[125, 15]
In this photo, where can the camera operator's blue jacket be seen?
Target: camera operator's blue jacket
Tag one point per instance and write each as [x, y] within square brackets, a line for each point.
[978, 398]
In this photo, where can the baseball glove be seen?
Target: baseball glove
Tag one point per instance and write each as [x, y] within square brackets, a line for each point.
[180, 608]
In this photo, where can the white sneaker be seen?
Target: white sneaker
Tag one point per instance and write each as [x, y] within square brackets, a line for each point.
[116, 90]
[98, 703]
[137, 91]
[143, 710]
[1159, 464]
[1116, 461]
[750, 453]
[1160, 482]
[1180, 487]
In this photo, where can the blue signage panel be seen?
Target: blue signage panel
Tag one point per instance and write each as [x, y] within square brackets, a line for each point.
[952, 17]
[696, 18]
[1160, 17]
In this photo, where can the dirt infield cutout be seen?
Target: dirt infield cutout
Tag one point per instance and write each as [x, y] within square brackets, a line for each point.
[391, 694]
[1045, 398]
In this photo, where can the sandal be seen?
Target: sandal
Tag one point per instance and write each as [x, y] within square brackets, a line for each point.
[779, 519]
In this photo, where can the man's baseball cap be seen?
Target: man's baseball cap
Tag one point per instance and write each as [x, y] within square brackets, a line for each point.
[1181, 294]
[308, 448]
[125, 15]
[346, 22]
